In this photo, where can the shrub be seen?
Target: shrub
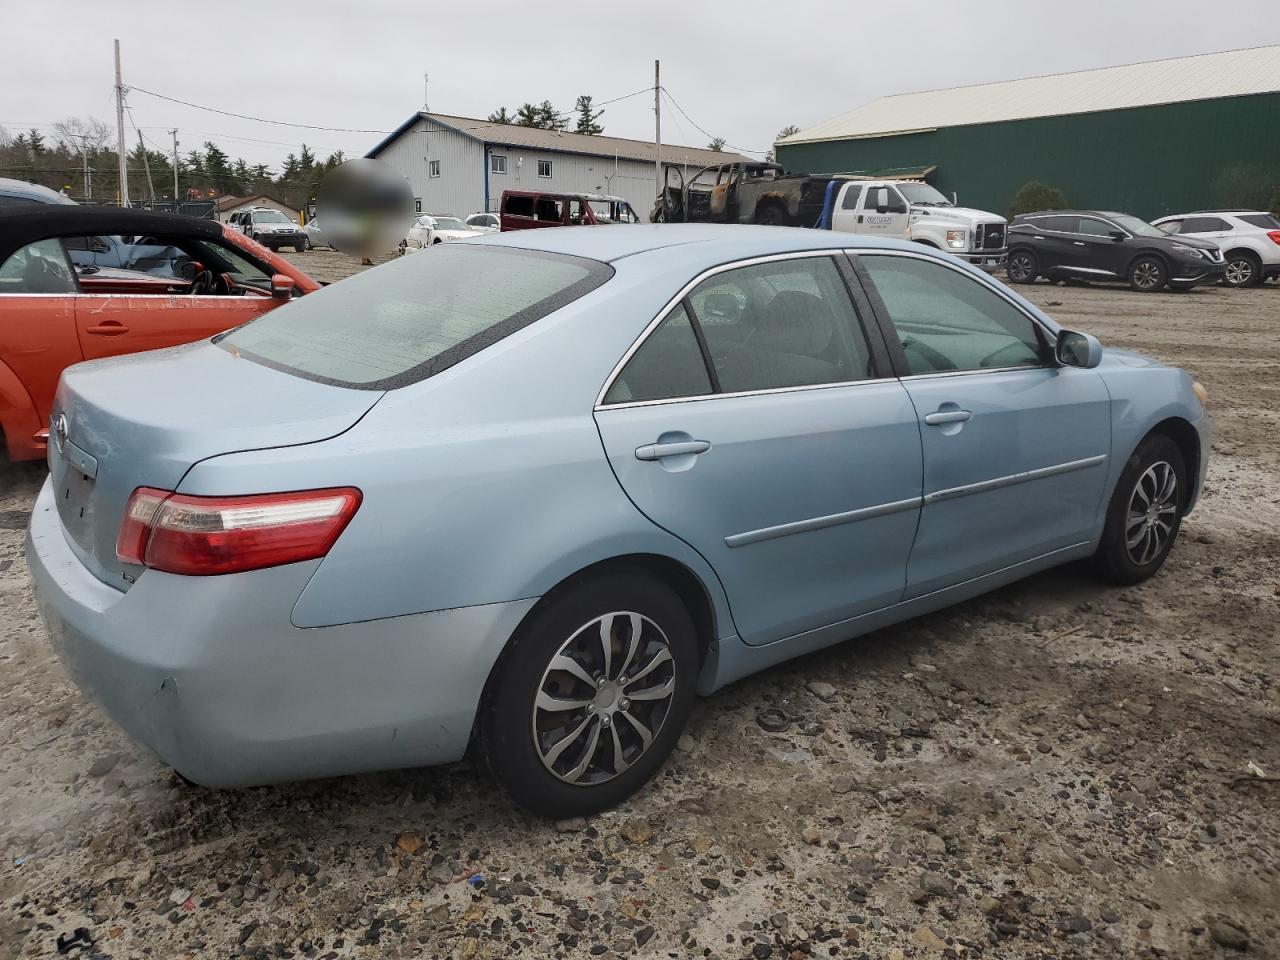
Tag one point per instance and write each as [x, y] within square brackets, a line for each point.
[1035, 196]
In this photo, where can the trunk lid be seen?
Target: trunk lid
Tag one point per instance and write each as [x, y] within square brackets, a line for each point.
[145, 419]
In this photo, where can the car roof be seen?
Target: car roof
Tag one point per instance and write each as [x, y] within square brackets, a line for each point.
[708, 243]
[19, 229]
[33, 191]
[1221, 213]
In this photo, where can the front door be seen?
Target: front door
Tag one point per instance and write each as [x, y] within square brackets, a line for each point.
[1095, 252]
[1015, 447]
[757, 424]
[888, 219]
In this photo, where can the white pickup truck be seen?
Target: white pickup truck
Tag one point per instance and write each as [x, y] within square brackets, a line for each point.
[916, 211]
[755, 192]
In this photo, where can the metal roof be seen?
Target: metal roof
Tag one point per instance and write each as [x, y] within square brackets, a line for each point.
[1234, 73]
[564, 141]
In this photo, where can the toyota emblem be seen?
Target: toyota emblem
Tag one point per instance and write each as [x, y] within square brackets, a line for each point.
[60, 430]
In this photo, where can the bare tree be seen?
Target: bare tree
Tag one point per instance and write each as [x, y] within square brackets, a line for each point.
[88, 133]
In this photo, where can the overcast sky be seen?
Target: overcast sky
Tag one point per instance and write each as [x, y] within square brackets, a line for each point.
[741, 69]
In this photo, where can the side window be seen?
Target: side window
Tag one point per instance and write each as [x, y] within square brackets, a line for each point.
[947, 321]
[1205, 225]
[433, 168]
[1059, 224]
[13, 203]
[518, 206]
[544, 168]
[787, 323]
[668, 365]
[851, 195]
[1095, 228]
[497, 163]
[1171, 227]
[39, 267]
[549, 208]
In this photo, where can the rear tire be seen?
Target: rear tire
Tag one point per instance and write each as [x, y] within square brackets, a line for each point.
[1145, 513]
[771, 216]
[1148, 274]
[1243, 269]
[1022, 267]
[302, 247]
[579, 760]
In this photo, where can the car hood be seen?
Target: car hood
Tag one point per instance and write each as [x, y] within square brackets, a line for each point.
[1194, 242]
[1129, 358]
[458, 234]
[955, 214]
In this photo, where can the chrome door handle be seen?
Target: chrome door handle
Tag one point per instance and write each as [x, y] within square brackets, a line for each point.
[656, 451]
[1078, 243]
[947, 416]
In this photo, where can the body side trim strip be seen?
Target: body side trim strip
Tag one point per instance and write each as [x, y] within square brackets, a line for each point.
[818, 523]
[1014, 478]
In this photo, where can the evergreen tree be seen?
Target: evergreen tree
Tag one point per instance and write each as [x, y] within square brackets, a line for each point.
[716, 144]
[588, 119]
[501, 115]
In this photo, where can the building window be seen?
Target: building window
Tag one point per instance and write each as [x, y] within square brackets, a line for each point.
[417, 204]
[544, 168]
[497, 164]
[433, 168]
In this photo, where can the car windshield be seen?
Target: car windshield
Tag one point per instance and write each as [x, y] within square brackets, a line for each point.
[1139, 228]
[449, 223]
[1264, 220]
[923, 195]
[411, 318]
[270, 216]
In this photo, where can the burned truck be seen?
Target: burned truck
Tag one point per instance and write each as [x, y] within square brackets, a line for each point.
[764, 193]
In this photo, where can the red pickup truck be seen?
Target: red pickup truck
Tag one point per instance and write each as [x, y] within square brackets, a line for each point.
[532, 209]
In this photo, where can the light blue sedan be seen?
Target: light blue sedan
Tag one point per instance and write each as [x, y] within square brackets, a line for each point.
[535, 492]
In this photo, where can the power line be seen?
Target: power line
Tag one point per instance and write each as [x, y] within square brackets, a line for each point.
[709, 136]
[243, 116]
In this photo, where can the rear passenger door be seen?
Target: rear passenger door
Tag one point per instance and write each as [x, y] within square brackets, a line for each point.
[1015, 446]
[758, 421]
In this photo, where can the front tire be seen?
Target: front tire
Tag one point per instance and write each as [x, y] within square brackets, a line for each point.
[1148, 274]
[1022, 267]
[1145, 513]
[1243, 270]
[772, 216]
[591, 696]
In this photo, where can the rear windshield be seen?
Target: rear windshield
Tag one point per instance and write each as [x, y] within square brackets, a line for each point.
[411, 318]
[1264, 220]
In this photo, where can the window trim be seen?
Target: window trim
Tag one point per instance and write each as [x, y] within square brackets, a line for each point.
[493, 164]
[550, 168]
[433, 169]
[880, 311]
[832, 253]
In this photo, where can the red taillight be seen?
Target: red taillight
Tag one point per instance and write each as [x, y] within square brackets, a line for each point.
[202, 536]
[1274, 235]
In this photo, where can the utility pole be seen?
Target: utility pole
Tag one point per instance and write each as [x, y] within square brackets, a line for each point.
[175, 169]
[659, 179]
[84, 155]
[146, 165]
[124, 169]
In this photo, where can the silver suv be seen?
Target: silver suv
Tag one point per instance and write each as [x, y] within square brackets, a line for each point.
[1249, 241]
[269, 227]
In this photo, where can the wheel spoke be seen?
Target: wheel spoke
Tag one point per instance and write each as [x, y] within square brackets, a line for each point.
[552, 755]
[660, 692]
[1138, 537]
[571, 666]
[1135, 519]
[619, 761]
[646, 737]
[606, 643]
[588, 753]
[556, 705]
[633, 644]
[659, 658]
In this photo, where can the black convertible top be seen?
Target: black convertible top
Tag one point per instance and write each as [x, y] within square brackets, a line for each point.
[56, 220]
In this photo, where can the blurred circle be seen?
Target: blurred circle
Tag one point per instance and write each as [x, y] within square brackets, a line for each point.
[365, 207]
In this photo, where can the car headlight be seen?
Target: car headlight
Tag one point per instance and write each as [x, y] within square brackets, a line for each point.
[1186, 251]
[956, 239]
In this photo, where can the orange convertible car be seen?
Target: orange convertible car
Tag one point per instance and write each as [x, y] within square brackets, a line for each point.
[79, 283]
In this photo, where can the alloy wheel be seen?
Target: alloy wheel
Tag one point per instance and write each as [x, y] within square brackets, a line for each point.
[603, 698]
[1153, 510]
[1239, 273]
[1020, 266]
[1147, 275]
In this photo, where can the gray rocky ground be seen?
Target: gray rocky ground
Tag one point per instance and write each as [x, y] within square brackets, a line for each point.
[1047, 771]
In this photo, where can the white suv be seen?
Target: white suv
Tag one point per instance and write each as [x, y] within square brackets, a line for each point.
[1249, 241]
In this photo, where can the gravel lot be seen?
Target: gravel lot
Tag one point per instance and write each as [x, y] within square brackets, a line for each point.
[1046, 771]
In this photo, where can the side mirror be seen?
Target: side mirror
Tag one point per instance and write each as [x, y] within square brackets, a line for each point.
[882, 200]
[281, 286]
[1118, 235]
[1078, 350]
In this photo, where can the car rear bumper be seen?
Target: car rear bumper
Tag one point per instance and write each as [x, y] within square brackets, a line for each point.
[210, 674]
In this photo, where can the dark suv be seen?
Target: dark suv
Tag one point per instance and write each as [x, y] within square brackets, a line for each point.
[1108, 247]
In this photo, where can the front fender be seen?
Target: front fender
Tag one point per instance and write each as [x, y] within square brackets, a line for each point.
[18, 418]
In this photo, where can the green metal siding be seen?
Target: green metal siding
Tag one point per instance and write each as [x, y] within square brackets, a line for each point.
[1149, 161]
